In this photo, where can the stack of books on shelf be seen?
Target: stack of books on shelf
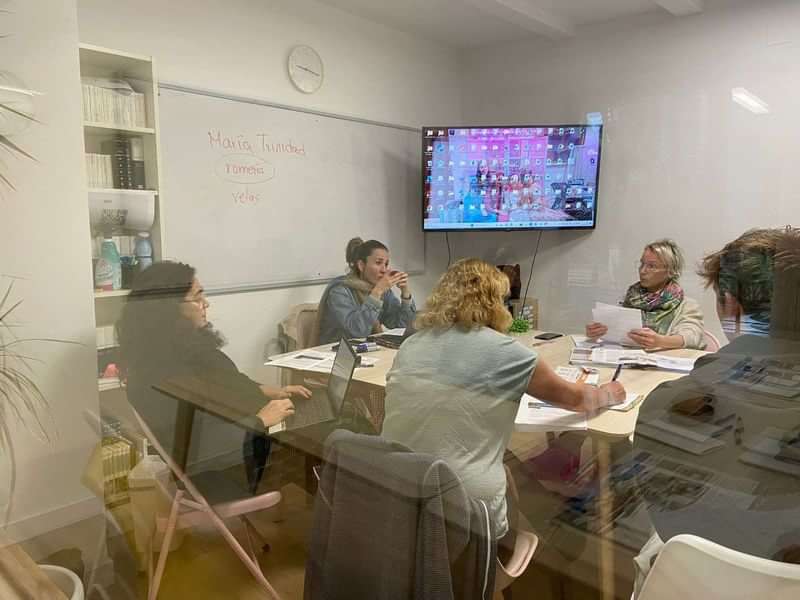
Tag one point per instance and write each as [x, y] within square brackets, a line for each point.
[99, 171]
[127, 162]
[112, 102]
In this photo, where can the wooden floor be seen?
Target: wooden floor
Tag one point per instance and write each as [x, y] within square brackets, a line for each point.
[205, 568]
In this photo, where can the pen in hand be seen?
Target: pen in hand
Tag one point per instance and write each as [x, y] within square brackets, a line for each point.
[616, 372]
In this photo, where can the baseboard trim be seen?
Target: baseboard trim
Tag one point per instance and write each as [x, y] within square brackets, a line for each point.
[39, 524]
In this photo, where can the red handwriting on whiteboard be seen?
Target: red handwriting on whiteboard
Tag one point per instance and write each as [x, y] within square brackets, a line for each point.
[244, 168]
[280, 147]
[238, 142]
[245, 198]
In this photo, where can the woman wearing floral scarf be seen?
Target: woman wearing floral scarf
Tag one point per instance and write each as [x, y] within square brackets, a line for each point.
[670, 319]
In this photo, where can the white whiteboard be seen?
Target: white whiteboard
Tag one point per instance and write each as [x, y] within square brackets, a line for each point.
[262, 196]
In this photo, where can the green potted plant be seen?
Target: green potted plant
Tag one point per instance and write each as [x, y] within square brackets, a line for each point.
[519, 326]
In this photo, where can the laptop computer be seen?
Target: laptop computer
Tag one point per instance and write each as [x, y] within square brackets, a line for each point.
[325, 404]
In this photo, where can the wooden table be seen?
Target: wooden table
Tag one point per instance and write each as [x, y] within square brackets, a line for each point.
[605, 427]
[23, 579]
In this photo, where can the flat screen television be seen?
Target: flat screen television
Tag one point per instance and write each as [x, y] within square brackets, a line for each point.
[510, 177]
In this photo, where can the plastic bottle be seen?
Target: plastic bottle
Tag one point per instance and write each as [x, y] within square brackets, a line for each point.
[143, 250]
[151, 491]
[108, 271]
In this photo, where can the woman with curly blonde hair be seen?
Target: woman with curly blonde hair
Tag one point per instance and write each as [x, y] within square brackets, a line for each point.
[455, 385]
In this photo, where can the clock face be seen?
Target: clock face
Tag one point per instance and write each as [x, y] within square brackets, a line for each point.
[305, 69]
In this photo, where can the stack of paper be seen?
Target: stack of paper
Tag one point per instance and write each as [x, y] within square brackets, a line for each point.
[615, 355]
[619, 321]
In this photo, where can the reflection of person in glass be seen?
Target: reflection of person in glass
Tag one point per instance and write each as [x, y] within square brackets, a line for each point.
[733, 424]
[671, 319]
[164, 333]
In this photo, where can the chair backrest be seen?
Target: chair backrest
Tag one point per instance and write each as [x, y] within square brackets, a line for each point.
[298, 328]
[375, 502]
[712, 343]
[693, 568]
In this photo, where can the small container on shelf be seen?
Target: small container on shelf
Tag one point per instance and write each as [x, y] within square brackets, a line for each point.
[108, 270]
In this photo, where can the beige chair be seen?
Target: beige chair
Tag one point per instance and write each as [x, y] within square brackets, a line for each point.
[296, 331]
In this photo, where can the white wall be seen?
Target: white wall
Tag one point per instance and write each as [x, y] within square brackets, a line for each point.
[240, 47]
[679, 158]
[44, 240]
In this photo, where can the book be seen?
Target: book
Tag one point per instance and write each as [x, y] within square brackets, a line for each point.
[99, 170]
[122, 167]
[112, 102]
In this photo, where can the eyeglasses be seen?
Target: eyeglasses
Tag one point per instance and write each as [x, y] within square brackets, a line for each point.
[649, 267]
[198, 299]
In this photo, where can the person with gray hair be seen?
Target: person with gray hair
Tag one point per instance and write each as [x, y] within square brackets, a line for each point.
[671, 320]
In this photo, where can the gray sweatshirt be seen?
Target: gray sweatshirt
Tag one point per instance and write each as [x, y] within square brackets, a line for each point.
[344, 317]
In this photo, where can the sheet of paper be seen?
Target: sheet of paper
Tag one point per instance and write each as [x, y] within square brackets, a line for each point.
[671, 363]
[315, 361]
[581, 341]
[631, 400]
[535, 415]
[613, 355]
[305, 360]
[619, 321]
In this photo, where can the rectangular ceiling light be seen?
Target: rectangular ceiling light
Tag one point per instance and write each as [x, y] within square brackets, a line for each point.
[749, 101]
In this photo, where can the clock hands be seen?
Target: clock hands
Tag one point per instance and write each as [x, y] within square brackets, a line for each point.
[307, 70]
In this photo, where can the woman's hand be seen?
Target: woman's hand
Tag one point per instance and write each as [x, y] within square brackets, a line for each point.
[275, 411]
[608, 394]
[387, 282]
[647, 338]
[274, 393]
[596, 330]
[295, 390]
[405, 292]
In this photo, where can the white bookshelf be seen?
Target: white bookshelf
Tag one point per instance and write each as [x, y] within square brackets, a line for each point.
[106, 129]
[140, 72]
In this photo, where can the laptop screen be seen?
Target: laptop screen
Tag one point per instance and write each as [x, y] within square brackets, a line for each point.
[343, 366]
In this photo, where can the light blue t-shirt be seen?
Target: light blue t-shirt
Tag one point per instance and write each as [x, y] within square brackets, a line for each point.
[454, 393]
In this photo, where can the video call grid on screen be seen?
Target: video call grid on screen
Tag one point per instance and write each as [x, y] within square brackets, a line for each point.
[530, 177]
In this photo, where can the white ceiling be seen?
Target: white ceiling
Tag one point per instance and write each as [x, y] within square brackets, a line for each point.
[472, 23]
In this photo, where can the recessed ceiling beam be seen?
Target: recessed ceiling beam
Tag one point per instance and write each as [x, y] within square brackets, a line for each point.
[529, 15]
[681, 8]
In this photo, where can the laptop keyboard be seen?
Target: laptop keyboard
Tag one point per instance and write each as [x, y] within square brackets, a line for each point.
[307, 412]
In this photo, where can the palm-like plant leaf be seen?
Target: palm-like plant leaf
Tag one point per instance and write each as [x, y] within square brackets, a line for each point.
[19, 113]
[12, 147]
